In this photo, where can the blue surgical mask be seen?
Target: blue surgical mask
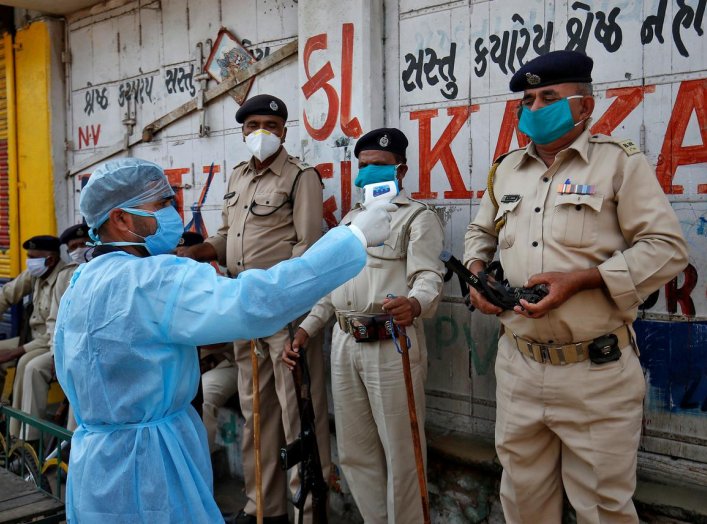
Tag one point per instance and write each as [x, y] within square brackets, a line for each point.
[371, 174]
[162, 241]
[548, 123]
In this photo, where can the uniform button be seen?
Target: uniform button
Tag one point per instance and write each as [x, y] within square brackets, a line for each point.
[239, 263]
[537, 210]
[550, 341]
[253, 181]
[578, 207]
[238, 235]
[267, 201]
[245, 207]
[546, 179]
[535, 244]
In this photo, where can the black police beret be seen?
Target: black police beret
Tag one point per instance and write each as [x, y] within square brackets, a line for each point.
[73, 232]
[190, 238]
[42, 243]
[261, 105]
[383, 139]
[556, 67]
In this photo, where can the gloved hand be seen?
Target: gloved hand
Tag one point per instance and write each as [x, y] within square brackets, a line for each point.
[372, 225]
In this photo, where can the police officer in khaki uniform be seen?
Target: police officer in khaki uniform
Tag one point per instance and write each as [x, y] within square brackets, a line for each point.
[272, 212]
[43, 265]
[584, 215]
[39, 372]
[370, 402]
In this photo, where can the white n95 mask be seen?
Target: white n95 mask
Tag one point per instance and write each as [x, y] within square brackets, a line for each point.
[262, 144]
[36, 266]
[78, 255]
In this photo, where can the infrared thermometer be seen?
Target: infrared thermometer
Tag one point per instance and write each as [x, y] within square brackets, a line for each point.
[379, 192]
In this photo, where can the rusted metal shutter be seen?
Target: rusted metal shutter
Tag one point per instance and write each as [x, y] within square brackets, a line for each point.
[4, 171]
[6, 254]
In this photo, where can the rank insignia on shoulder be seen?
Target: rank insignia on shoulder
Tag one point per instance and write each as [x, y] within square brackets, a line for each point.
[629, 146]
[229, 195]
[507, 199]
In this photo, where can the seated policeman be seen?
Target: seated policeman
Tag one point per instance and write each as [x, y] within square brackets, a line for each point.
[219, 384]
[43, 266]
[126, 337]
[76, 239]
[39, 372]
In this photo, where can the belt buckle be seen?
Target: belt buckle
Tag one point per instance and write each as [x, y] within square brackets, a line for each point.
[358, 328]
[544, 352]
[389, 326]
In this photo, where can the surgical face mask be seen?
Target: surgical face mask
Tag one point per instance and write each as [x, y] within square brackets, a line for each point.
[169, 230]
[372, 174]
[262, 144]
[36, 266]
[548, 123]
[162, 241]
[78, 255]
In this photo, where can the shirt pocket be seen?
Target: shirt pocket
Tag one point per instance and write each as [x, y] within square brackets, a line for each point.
[231, 208]
[270, 208]
[391, 249]
[507, 211]
[575, 220]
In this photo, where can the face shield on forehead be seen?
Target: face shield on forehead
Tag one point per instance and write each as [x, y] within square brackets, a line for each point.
[122, 183]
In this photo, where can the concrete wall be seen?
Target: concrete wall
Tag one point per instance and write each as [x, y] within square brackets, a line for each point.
[439, 70]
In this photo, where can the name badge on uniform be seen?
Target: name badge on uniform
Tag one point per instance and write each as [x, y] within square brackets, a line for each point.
[229, 195]
[568, 188]
[507, 199]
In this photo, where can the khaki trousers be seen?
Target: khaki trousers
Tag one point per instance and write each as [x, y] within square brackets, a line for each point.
[373, 425]
[279, 419]
[219, 384]
[576, 426]
[9, 343]
[18, 390]
[35, 389]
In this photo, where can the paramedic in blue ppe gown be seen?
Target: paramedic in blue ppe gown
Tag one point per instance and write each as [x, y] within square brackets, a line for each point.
[126, 335]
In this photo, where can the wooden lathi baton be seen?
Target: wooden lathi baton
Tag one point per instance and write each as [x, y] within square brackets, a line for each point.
[256, 434]
[402, 341]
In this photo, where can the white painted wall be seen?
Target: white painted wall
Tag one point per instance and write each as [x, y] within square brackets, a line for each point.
[649, 91]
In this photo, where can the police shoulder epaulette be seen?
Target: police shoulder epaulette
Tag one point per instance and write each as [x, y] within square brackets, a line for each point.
[299, 163]
[430, 207]
[628, 145]
[240, 165]
[504, 155]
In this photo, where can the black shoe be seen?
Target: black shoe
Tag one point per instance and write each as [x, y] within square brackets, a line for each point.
[244, 518]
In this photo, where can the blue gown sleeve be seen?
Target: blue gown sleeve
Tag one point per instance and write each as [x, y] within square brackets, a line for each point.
[204, 308]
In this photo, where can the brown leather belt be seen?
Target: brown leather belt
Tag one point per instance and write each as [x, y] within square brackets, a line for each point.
[365, 328]
[568, 353]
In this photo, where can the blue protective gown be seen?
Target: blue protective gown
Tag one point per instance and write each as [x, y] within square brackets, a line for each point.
[124, 349]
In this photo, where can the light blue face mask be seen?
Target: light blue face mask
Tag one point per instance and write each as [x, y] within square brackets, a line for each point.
[372, 174]
[548, 123]
[162, 241]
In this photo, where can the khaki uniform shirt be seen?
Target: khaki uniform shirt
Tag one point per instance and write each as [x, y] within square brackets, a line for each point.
[63, 280]
[261, 225]
[407, 264]
[626, 228]
[42, 290]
